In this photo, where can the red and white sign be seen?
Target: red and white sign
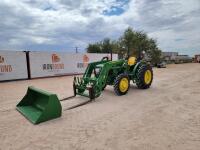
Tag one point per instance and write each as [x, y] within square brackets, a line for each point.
[13, 65]
[44, 64]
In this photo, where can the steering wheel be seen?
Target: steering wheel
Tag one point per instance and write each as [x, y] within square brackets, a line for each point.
[105, 58]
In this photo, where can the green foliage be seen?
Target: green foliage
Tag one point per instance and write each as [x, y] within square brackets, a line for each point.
[135, 42]
[94, 48]
[105, 46]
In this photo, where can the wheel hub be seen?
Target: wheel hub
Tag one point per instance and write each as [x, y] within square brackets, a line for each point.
[123, 85]
[147, 76]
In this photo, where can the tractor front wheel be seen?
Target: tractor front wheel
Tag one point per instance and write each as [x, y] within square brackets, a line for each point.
[121, 84]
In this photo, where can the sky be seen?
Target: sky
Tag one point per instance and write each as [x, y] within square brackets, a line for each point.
[62, 25]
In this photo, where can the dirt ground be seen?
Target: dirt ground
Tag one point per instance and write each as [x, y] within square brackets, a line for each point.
[164, 117]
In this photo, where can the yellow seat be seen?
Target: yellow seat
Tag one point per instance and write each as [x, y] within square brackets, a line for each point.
[131, 61]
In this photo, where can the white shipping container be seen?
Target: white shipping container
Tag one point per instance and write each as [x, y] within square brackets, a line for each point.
[43, 64]
[13, 65]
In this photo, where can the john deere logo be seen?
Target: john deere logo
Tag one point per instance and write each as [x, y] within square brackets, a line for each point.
[4, 67]
[1, 59]
[55, 65]
[85, 62]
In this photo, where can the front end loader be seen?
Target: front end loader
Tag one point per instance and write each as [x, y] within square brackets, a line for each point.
[114, 73]
[39, 106]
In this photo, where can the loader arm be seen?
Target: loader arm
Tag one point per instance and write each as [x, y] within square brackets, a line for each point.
[104, 73]
[92, 82]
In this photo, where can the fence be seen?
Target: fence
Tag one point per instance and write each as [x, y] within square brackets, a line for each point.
[13, 65]
[21, 65]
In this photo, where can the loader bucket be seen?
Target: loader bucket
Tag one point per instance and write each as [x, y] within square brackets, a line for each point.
[39, 106]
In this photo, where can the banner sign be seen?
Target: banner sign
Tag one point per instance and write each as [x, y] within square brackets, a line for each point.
[44, 64]
[13, 65]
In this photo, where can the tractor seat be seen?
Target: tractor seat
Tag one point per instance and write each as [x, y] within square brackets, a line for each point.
[131, 61]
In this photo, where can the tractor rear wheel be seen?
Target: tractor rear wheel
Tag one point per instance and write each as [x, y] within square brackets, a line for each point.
[144, 76]
[121, 84]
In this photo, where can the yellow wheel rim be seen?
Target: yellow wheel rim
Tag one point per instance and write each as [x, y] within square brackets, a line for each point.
[147, 77]
[123, 85]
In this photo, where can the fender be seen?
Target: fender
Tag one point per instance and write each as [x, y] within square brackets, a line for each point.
[137, 66]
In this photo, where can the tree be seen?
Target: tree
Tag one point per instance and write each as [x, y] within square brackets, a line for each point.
[127, 40]
[104, 46]
[94, 48]
[153, 52]
[132, 42]
[155, 56]
[137, 42]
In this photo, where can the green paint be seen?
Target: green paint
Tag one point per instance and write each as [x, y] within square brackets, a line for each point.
[39, 106]
[107, 73]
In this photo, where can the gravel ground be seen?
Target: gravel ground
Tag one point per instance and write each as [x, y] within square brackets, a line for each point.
[164, 117]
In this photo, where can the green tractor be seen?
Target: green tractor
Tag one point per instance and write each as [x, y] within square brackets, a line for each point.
[118, 74]
[39, 106]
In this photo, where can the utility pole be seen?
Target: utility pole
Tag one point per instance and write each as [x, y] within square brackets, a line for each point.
[76, 49]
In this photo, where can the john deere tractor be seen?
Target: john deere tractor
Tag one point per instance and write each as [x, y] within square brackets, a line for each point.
[118, 74]
[39, 106]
